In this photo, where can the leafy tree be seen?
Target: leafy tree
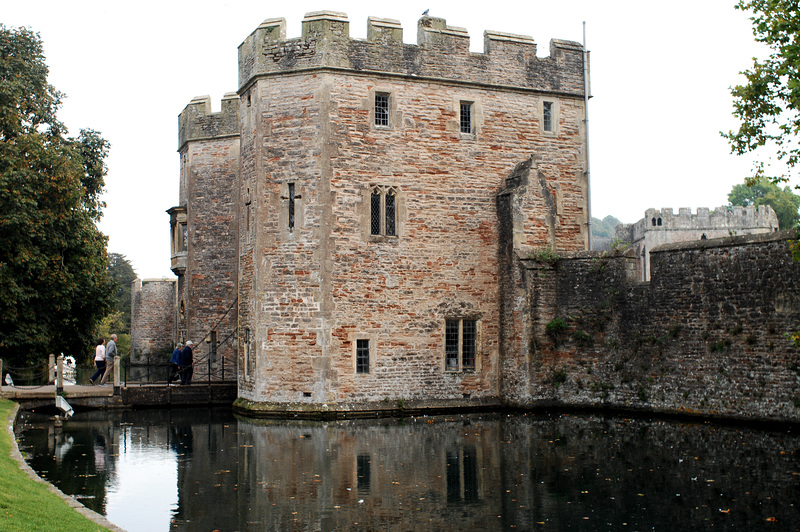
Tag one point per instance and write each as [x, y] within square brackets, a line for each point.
[768, 105]
[113, 323]
[54, 287]
[605, 227]
[784, 202]
[121, 272]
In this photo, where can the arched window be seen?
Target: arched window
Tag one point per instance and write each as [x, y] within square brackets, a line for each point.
[383, 211]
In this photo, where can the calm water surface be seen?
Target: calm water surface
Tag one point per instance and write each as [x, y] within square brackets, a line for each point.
[155, 470]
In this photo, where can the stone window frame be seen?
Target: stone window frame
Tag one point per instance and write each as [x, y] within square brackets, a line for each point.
[247, 355]
[383, 191]
[391, 95]
[466, 124]
[555, 113]
[476, 112]
[371, 351]
[447, 332]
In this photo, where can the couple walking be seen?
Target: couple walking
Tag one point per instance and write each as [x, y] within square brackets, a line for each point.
[104, 357]
[182, 361]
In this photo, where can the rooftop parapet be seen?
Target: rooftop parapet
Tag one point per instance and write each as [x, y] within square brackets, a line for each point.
[441, 53]
[726, 218]
[198, 122]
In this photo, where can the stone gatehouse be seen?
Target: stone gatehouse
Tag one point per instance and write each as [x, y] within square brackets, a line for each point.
[372, 225]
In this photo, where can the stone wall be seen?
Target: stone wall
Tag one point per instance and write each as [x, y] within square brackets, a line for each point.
[707, 336]
[663, 227]
[152, 318]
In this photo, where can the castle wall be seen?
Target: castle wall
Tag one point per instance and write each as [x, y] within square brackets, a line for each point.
[309, 294]
[663, 227]
[152, 318]
[708, 335]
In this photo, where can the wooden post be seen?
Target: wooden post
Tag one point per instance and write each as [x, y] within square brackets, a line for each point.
[51, 368]
[60, 375]
[117, 362]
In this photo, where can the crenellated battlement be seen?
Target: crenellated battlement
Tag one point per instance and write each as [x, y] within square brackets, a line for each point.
[198, 122]
[725, 219]
[441, 53]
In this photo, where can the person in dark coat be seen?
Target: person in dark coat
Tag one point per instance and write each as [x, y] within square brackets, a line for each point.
[187, 359]
[175, 366]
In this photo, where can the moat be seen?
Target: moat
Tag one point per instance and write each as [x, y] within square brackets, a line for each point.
[200, 469]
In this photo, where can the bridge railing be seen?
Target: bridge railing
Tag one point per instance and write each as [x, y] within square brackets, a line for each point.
[203, 370]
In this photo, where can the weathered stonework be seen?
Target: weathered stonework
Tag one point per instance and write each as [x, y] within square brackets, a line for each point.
[204, 229]
[663, 227]
[277, 248]
[308, 292]
[707, 336]
[152, 318]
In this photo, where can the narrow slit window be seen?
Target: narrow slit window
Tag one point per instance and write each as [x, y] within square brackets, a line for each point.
[466, 117]
[391, 229]
[291, 206]
[451, 345]
[468, 337]
[547, 116]
[381, 109]
[362, 356]
[375, 212]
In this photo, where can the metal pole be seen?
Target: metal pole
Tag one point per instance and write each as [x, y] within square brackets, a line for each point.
[586, 96]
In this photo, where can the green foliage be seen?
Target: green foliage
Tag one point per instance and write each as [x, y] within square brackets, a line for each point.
[113, 323]
[26, 504]
[583, 339]
[757, 192]
[768, 104]
[555, 329]
[547, 254]
[122, 274]
[53, 282]
[605, 227]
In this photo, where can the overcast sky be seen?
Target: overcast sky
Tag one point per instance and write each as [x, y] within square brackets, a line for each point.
[661, 73]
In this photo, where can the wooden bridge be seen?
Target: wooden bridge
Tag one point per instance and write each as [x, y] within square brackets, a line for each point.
[131, 395]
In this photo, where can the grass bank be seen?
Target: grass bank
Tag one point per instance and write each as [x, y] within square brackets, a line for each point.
[27, 504]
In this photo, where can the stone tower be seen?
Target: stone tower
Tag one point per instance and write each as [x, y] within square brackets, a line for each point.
[369, 237]
[204, 233]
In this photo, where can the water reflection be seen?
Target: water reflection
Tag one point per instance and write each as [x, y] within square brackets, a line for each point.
[206, 470]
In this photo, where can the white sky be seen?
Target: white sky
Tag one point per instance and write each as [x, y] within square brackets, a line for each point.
[661, 73]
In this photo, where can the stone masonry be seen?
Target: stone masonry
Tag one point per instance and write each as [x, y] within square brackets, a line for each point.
[663, 227]
[152, 318]
[316, 279]
[373, 226]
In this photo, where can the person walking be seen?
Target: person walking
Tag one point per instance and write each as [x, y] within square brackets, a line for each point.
[175, 363]
[99, 360]
[111, 356]
[187, 359]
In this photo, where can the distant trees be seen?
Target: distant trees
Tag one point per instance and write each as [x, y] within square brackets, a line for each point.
[605, 227]
[122, 274]
[54, 287]
[784, 202]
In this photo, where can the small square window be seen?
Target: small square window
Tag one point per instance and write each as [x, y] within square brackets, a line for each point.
[460, 344]
[362, 356]
[466, 117]
[381, 109]
[547, 116]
